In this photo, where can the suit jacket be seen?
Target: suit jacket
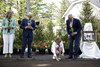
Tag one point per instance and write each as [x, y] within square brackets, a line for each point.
[5, 24]
[27, 32]
[76, 26]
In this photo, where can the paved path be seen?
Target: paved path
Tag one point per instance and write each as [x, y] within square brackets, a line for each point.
[46, 61]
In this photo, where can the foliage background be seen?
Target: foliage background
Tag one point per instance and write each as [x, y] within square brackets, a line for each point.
[45, 13]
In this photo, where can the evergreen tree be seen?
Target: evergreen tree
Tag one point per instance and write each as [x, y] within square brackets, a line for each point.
[10, 4]
[87, 17]
[62, 32]
[44, 31]
[35, 7]
[86, 14]
[22, 13]
[3, 8]
[98, 32]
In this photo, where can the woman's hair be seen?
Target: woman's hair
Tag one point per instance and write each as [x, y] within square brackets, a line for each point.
[58, 39]
[8, 13]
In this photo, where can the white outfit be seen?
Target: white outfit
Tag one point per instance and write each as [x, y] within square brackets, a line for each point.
[8, 43]
[55, 46]
[89, 50]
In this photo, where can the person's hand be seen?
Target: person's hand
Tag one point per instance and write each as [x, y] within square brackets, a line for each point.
[9, 27]
[5, 27]
[28, 27]
[56, 58]
[74, 33]
[62, 54]
[31, 27]
[69, 36]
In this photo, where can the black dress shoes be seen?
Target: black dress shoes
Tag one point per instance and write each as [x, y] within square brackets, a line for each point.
[29, 57]
[21, 56]
[70, 57]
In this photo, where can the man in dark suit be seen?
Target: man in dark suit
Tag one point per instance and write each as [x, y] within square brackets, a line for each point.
[73, 30]
[28, 25]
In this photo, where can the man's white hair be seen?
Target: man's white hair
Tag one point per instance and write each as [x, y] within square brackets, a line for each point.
[70, 15]
[29, 13]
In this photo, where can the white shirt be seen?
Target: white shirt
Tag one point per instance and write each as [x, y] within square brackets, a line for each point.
[54, 46]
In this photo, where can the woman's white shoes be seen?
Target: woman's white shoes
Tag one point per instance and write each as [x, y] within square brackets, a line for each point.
[53, 57]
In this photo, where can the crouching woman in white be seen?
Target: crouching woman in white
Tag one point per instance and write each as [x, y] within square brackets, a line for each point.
[57, 48]
[8, 25]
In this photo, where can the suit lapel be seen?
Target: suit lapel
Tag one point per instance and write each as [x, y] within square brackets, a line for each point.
[73, 22]
[26, 22]
[11, 21]
[6, 21]
[69, 23]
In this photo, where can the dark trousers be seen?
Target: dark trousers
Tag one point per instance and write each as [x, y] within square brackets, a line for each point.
[24, 41]
[72, 38]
